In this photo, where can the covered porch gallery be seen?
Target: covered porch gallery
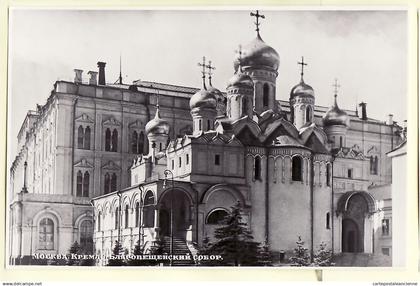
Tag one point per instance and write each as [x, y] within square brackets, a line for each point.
[144, 211]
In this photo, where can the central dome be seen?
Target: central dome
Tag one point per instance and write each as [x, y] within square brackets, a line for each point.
[258, 54]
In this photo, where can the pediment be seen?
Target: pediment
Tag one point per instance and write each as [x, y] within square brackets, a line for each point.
[83, 164]
[372, 150]
[111, 165]
[84, 118]
[137, 124]
[111, 122]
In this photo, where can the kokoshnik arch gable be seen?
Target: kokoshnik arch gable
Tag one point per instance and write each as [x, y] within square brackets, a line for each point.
[93, 161]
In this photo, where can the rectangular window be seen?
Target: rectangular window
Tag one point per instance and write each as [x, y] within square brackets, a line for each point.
[385, 227]
[385, 251]
[350, 173]
[217, 159]
[179, 162]
[173, 164]
[327, 221]
[187, 159]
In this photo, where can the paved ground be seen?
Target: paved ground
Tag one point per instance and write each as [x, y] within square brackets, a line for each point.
[362, 260]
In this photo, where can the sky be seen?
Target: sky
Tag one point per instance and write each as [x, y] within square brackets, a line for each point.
[365, 50]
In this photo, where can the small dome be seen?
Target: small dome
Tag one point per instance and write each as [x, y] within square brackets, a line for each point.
[302, 89]
[157, 125]
[335, 116]
[203, 99]
[240, 79]
[258, 54]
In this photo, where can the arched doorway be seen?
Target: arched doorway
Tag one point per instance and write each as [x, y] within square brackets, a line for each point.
[351, 236]
[164, 222]
[181, 210]
[356, 208]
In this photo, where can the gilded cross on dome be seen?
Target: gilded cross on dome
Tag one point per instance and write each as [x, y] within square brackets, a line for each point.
[336, 86]
[257, 23]
[203, 65]
[210, 68]
[302, 65]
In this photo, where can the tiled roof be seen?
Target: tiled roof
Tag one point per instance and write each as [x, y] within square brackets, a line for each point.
[164, 86]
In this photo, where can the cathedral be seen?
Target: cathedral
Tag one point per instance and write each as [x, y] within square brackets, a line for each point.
[100, 163]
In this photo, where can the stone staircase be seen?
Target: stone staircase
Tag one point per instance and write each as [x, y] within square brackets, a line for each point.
[180, 248]
[361, 260]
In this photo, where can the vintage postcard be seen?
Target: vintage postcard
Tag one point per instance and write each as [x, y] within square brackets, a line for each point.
[195, 138]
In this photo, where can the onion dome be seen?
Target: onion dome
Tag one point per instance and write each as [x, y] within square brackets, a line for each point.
[203, 99]
[157, 125]
[258, 54]
[217, 93]
[335, 116]
[302, 89]
[240, 79]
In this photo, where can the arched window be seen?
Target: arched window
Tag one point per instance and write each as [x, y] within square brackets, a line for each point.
[113, 182]
[126, 216]
[107, 183]
[107, 140]
[46, 234]
[376, 165]
[199, 124]
[137, 213]
[86, 144]
[327, 174]
[99, 221]
[79, 184]
[308, 114]
[117, 217]
[341, 141]
[80, 135]
[160, 146]
[134, 143]
[327, 220]
[216, 216]
[297, 168]
[244, 106]
[148, 210]
[141, 143]
[208, 125]
[257, 168]
[372, 167]
[86, 178]
[266, 92]
[114, 143]
[86, 236]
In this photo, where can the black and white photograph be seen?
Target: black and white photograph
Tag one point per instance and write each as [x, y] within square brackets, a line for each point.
[207, 137]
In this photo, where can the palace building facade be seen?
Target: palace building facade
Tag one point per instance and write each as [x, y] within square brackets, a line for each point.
[104, 162]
